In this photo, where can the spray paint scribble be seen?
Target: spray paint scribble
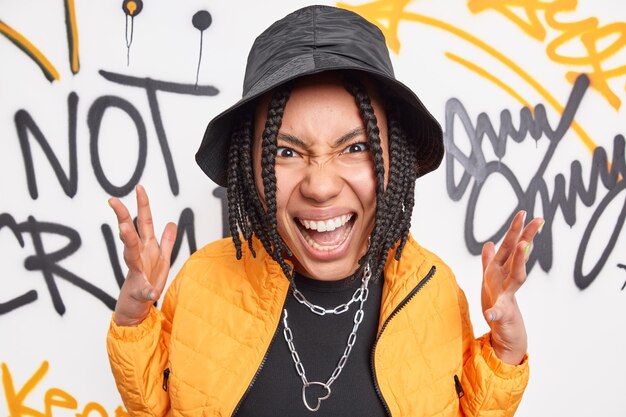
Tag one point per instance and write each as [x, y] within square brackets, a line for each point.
[131, 9]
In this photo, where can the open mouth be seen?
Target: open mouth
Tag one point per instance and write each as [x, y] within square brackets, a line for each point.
[326, 235]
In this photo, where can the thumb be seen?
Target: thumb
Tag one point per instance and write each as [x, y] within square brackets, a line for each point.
[492, 314]
[147, 293]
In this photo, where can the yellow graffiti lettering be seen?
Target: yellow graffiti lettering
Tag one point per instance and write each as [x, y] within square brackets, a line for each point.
[72, 35]
[388, 10]
[382, 11]
[49, 71]
[93, 407]
[15, 400]
[530, 23]
[594, 57]
[120, 412]
[586, 32]
[54, 397]
[562, 6]
[488, 76]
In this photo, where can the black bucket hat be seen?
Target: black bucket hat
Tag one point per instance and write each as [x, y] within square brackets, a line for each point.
[308, 41]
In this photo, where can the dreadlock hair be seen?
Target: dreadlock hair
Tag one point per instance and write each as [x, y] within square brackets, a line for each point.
[394, 203]
[247, 215]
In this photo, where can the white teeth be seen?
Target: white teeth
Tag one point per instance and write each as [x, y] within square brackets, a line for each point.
[319, 247]
[326, 225]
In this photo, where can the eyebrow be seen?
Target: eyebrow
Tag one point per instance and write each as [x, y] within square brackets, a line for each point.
[348, 136]
[292, 140]
[295, 141]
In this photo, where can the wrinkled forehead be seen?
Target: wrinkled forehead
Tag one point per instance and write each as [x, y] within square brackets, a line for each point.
[319, 80]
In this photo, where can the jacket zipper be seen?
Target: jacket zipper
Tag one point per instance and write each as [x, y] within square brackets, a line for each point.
[399, 307]
[258, 371]
[459, 388]
[166, 376]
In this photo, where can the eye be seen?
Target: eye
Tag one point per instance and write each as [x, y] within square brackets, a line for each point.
[284, 152]
[356, 147]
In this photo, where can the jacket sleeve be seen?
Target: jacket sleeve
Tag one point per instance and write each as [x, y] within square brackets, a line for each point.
[491, 387]
[139, 357]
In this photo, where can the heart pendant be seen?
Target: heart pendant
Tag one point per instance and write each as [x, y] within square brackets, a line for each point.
[319, 400]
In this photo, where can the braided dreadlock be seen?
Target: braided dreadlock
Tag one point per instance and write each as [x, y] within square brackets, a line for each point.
[394, 203]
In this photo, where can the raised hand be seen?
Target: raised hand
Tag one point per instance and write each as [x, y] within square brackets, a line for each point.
[148, 261]
[504, 272]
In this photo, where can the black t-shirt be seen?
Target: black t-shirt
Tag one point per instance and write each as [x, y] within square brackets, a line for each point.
[320, 342]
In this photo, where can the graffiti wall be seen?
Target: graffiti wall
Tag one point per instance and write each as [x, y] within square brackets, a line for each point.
[96, 97]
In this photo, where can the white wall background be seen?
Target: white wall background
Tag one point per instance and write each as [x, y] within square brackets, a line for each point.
[576, 335]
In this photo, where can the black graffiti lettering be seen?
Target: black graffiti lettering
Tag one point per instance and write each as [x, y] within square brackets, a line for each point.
[114, 259]
[623, 267]
[48, 262]
[27, 128]
[20, 301]
[94, 121]
[25, 124]
[581, 279]
[152, 87]
[186, 227]
[476, 166]
[491, 169]
[564, 197]
[6, 220]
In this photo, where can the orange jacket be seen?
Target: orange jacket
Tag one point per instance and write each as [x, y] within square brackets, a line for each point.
[220, 315]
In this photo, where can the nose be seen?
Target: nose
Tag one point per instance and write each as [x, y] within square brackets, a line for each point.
[321, 184]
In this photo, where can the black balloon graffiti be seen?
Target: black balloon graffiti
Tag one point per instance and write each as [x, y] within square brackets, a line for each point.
[201, 20]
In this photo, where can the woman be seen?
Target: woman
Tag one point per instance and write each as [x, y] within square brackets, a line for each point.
[322, 303]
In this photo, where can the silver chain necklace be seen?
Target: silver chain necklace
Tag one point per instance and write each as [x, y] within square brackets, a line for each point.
[358, 318]
[342, 308]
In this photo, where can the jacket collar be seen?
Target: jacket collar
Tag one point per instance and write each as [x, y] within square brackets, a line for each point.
[403, 275]
[400, 277]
